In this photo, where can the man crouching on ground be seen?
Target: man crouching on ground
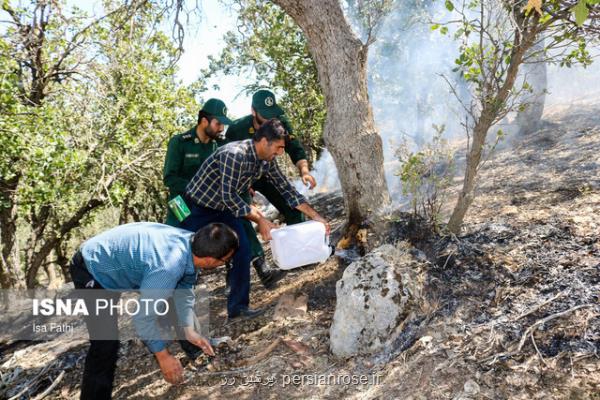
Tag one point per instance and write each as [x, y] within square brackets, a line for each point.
[155, 259]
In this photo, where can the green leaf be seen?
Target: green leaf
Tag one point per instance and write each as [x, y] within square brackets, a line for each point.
[449, 5]
[444, 30]
[434, 27]
[581, 12]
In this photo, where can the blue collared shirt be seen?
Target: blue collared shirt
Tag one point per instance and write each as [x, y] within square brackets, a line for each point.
[152, 258]
[230, 172]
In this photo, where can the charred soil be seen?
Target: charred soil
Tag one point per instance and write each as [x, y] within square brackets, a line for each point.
[511, 311]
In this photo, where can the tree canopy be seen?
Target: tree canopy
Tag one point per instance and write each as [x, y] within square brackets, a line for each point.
[87, 109]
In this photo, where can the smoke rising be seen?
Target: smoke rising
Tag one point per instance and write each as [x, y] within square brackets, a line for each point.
[408, 91]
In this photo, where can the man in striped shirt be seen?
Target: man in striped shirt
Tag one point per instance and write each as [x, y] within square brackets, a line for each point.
[215, 195]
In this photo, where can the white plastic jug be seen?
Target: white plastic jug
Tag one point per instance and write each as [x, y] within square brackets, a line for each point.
[300, 244]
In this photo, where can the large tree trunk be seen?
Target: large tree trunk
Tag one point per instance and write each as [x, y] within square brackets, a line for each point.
[535, 74]
[350, 133]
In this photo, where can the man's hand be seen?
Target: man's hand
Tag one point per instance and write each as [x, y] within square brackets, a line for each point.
[264, 228]
[170, 366]
[264, 225]
[307, 210]
[193, 337]
[318, 218]
[308, 179]
[256, 210]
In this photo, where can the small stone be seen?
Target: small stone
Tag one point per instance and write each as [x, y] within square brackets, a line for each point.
[426, 341]
[471, 387]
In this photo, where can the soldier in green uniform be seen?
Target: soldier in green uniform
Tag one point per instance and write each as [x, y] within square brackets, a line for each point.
[188, 150]
[265, 107]
[186, 153]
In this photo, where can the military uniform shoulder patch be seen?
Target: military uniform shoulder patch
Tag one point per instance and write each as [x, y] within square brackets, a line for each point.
[251, 130]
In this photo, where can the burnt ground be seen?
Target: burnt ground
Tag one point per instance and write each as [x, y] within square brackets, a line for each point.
[511, 308]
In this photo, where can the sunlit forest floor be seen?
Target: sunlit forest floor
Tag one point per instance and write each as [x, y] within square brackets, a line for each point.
[512, 304]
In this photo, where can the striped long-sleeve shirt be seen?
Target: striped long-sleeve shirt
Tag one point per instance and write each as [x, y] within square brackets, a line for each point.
[230, 172]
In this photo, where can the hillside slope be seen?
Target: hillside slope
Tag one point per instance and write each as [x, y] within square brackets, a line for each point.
[512, 309]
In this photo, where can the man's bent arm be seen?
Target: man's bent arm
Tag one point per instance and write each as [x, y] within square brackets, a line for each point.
[305, 175]
[155, 286]
[283, 186]
[184, 300]
[302, 166]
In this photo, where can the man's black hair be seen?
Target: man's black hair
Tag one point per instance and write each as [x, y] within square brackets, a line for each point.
[204, 114]
[215, 240]
[272, 130]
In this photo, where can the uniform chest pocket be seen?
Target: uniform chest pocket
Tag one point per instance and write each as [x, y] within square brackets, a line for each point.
[192, 159]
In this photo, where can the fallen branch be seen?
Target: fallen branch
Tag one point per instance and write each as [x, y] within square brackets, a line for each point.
[542, 321]
[534, 309]
[530, 331]
[258, 357]
[538, 350]
[448, 259]
[51, 387]
[30, 383]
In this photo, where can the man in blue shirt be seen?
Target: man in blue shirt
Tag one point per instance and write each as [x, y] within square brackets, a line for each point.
[158, 260]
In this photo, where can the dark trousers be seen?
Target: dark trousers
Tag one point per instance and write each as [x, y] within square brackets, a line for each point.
[239, 275]
[101, 359]
[292, 216]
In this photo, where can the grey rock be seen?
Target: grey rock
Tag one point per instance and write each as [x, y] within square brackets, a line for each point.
[376, 293]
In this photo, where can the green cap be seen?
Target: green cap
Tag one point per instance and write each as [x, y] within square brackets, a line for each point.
[217, 109]
[264, 103]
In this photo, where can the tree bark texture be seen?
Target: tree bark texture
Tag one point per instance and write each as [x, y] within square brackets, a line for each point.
[349, 133]
[36, 258]
[9, 261]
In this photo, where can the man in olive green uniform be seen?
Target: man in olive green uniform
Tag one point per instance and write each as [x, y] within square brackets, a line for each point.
[186, 153]
[188, 150]
[265, 107]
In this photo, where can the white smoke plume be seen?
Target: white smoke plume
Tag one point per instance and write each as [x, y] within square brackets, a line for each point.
[408, 93]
